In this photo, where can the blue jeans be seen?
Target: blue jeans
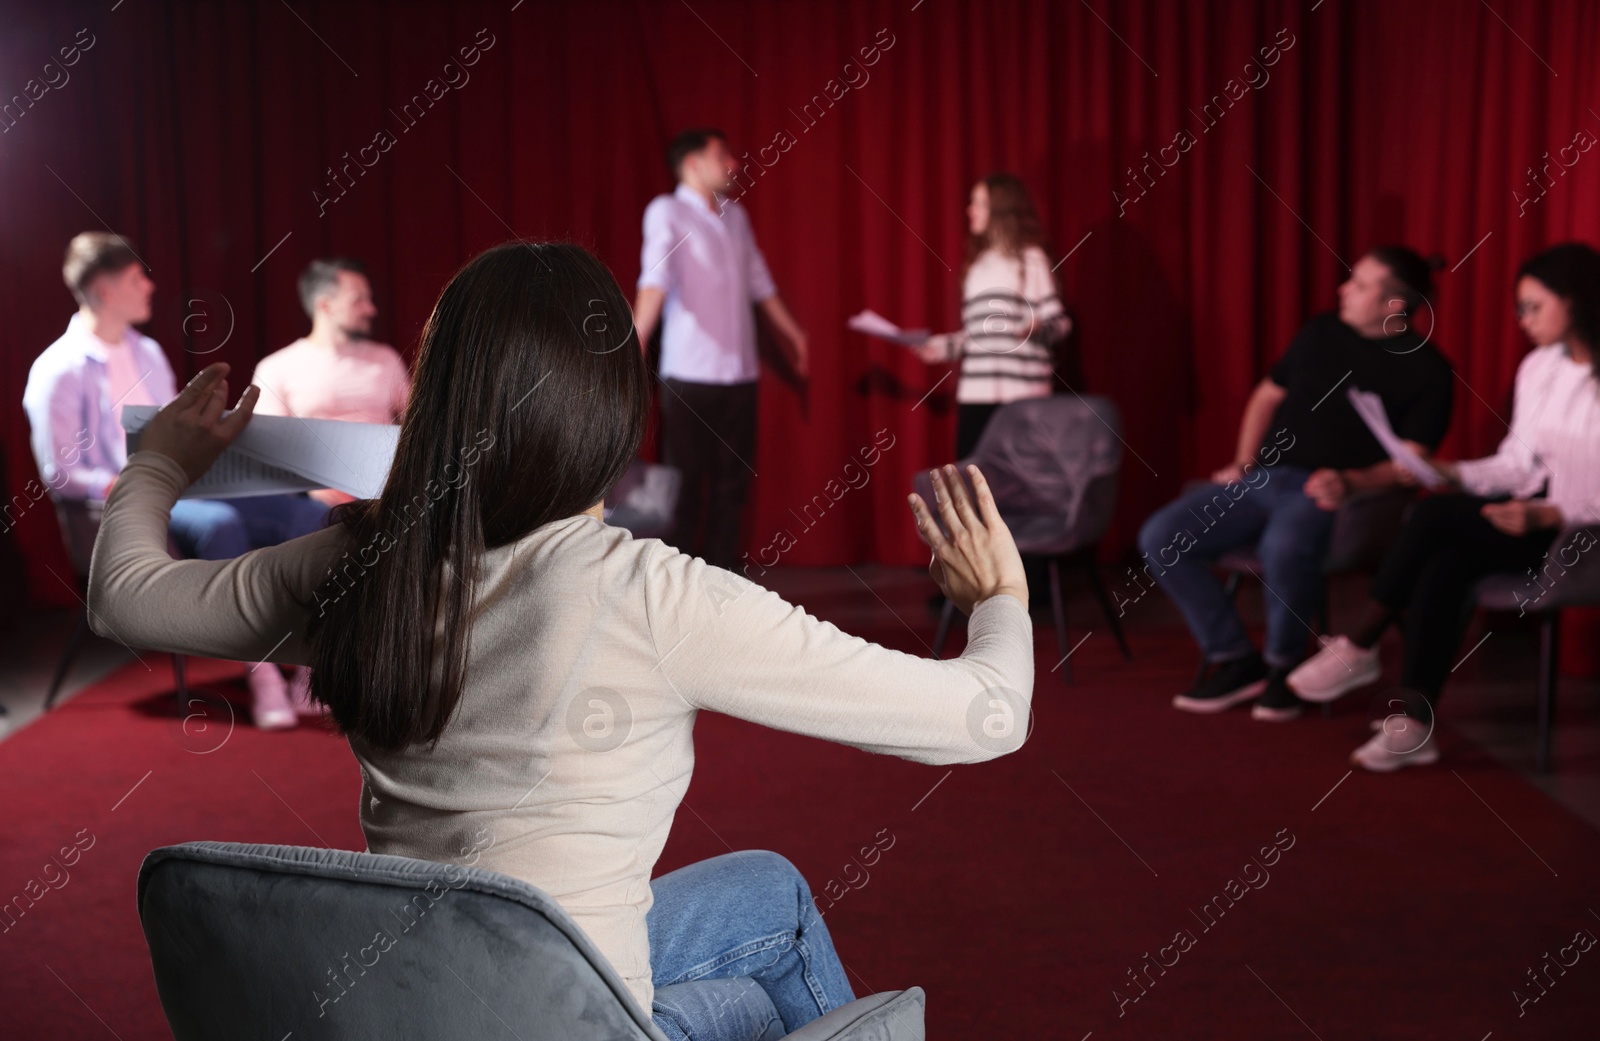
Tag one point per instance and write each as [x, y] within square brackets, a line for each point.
[221, 529]
[738, 951]
[1183, 539]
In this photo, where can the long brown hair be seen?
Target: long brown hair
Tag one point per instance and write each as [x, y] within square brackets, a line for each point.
[1014, 224]
[529, 401]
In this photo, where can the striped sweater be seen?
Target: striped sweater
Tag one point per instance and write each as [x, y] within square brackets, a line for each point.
[1002, 296]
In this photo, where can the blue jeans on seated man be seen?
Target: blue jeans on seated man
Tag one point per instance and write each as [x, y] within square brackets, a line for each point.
[1270, 510]
[221, 529]
[738, 951]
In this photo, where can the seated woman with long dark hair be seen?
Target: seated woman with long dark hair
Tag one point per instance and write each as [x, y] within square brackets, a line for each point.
[519, 680]
[1510, 507]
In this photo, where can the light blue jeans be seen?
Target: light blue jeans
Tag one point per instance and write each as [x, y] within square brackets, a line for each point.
[738, 951]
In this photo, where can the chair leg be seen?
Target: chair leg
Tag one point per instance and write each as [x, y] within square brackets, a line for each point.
[71, 652]
[182, 687]
[1325, 625]
[947, 615]
[1093, 571]
[1549, 669]
[1059, 612]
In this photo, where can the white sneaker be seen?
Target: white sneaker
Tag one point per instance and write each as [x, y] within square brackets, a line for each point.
[1336, 670]
[1400, 743]
[269, 698]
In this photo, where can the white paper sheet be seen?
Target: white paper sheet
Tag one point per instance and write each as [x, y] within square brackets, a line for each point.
[1370, 408]
[277, 454]
[874, 324]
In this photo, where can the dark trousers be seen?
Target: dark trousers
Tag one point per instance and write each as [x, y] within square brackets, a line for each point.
[708, 433]
[1445, 547]
[970, 422]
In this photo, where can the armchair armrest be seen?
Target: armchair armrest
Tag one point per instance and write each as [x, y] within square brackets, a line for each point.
[894, 1015]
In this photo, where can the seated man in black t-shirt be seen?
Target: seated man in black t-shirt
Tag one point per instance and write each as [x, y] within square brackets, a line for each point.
[1302, 450]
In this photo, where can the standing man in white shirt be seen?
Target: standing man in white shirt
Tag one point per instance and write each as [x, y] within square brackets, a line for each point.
[700, 271]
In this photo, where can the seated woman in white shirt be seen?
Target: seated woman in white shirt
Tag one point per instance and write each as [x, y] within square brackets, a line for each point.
[1011, 314]
[517, 678]
[1512, 505]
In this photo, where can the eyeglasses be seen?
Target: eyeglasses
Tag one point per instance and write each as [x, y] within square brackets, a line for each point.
[1524, 310]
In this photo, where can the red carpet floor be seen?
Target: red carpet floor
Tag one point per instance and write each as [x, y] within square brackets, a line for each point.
[1025, 895]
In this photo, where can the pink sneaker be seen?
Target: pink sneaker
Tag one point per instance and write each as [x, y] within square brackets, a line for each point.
[269, 698]
[300, 692]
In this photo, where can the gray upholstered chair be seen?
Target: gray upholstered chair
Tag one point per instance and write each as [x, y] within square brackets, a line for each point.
[1570, 577]
[1052, 464]
[266, 942]
[80, 523]
[645, 501]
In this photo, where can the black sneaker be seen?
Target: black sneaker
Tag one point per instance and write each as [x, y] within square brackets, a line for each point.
[1278, 703]
[1228, 684]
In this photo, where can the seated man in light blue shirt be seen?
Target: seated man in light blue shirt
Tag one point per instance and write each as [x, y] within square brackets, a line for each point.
[74, 399]
[700, 272]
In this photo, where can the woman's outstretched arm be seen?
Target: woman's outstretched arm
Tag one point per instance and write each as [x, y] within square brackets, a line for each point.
[728, 645]
[251, 608]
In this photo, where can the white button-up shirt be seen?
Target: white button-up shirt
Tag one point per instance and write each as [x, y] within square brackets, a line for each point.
[77, 437]
[1554, 437]
[708, 264]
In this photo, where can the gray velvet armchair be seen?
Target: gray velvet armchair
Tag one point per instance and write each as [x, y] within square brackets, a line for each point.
[1568, 577]
[1052, 464]
[267, 942]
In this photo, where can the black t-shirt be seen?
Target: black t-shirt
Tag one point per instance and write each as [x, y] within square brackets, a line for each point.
[1315, 425]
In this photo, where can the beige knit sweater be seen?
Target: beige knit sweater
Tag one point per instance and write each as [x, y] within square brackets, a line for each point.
[591, 653]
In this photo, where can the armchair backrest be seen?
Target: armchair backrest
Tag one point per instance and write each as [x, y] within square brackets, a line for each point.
[258, 941]
[1052, 464]
[645, 500]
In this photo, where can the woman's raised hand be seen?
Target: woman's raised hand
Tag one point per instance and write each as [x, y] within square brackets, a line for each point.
[978, 559]
[191, 429]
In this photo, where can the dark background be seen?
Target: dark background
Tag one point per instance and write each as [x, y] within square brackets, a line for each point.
[203, 130]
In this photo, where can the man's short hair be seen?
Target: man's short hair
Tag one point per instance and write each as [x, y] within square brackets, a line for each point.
[92, 254]
[321, 277]
[689, 142]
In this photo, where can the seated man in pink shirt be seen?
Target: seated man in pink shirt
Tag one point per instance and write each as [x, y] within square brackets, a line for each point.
[335, 371]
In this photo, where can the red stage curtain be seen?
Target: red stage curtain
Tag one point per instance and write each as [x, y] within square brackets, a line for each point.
[207, 133]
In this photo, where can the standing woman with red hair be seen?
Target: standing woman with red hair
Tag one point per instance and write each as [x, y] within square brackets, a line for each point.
[1011, 315]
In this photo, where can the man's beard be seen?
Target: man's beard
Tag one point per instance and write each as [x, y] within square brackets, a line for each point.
[354, 334]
